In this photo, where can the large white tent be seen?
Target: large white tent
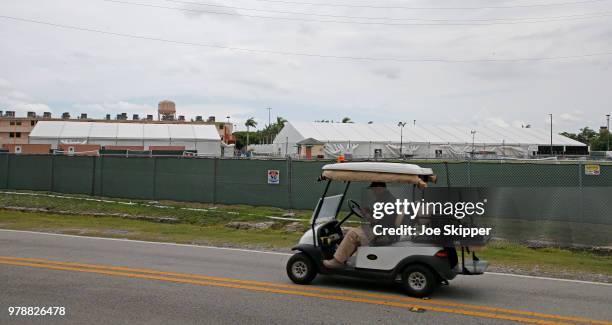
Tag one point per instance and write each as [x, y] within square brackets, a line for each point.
[383, 140]
[201, 137]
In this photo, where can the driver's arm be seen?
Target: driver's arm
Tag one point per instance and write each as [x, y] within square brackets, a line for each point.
[367, 214]
[399, 219]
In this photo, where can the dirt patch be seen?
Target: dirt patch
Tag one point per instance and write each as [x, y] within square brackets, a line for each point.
[94, 214]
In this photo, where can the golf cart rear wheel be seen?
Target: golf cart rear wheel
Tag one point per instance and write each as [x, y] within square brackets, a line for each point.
[418, 280]
[301, 269]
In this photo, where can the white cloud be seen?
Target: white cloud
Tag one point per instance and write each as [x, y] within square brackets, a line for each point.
[99, 110]
[569, 117]
[15, 100]
[46, 68]
[496, 121]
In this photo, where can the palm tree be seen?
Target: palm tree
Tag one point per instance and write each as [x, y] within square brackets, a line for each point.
[347, 120]
[249, 123]
[280, 121]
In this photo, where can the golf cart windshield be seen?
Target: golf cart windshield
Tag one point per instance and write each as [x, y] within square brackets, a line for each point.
[385, 183]
[328, 206]
[328, 210]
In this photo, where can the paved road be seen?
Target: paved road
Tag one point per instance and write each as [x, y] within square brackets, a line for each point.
[238, 286]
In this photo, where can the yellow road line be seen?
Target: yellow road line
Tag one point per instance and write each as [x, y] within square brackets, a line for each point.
[317, 289]
[289, 292]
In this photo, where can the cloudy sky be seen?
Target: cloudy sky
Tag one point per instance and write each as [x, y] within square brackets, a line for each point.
[81, 59]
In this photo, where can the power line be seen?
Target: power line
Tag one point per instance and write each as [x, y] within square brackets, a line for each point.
[431, 8]
[304, 54]
[606, 14]
[587, 15]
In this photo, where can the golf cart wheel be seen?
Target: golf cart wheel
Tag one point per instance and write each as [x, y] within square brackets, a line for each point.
[418, 281]
[301, 269]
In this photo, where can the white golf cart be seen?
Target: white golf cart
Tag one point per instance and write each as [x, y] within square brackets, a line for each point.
[418, 266]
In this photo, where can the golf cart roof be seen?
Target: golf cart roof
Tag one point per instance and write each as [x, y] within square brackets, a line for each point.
[379, 172]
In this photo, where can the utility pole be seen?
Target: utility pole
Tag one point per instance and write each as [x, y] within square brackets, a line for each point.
[269, 125]
[551, 135]
[608, 130]
[401, 126]
[473, 132]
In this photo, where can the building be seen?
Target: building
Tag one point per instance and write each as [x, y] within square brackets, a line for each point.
[64, 135]
[309, 140]
[16, 130]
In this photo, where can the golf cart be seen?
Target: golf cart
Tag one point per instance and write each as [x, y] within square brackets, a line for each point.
[418, 266]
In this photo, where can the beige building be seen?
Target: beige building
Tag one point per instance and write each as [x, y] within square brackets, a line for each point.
[310, 149]
[16, 130]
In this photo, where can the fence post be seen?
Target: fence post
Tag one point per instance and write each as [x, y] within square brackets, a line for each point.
[52, 173]
[8, 170]
[469, 173]
[581, 187]
[289, 182]
[448, 182]
[93, 176]
[101, 175]
[154, 177]
[214, 193]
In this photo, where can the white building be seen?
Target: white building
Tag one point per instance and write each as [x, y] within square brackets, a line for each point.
[328, 140]
[201, 137]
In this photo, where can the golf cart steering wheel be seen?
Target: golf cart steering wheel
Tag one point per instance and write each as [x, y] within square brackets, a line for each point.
[355, 208]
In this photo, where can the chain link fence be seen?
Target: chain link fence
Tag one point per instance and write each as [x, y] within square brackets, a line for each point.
[556, 202]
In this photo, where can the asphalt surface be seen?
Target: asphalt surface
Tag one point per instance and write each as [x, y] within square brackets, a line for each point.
[99, 295]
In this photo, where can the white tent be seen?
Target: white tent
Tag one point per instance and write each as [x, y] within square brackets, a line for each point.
[383, 140]
[201, 137]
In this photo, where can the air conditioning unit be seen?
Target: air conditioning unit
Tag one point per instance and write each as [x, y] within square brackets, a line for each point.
[71, 150]
[17, 149]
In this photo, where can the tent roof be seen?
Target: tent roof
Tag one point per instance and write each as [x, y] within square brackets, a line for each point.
[386, 132]
[108, 130]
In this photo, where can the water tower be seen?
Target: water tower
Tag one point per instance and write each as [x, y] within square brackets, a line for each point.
[166, 110]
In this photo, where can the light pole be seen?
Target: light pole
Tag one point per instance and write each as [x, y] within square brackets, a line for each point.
[551, 142]
[473, 132]
[608, 130]
[401, 126]
[269, 125]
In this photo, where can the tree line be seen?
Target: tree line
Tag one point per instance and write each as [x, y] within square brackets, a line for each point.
[261, 136]
[597, 140]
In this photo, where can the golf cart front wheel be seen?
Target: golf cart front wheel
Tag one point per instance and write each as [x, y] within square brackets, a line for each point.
[301, 269]
[418, 280]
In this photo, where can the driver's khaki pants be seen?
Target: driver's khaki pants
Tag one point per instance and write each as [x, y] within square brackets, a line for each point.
[353, 239]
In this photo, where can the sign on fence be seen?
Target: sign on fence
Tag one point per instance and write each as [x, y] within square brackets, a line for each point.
[273, 176]
[593, 170]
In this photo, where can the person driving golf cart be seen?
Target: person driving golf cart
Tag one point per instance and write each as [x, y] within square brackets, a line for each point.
[363, 235]
[418, 266]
